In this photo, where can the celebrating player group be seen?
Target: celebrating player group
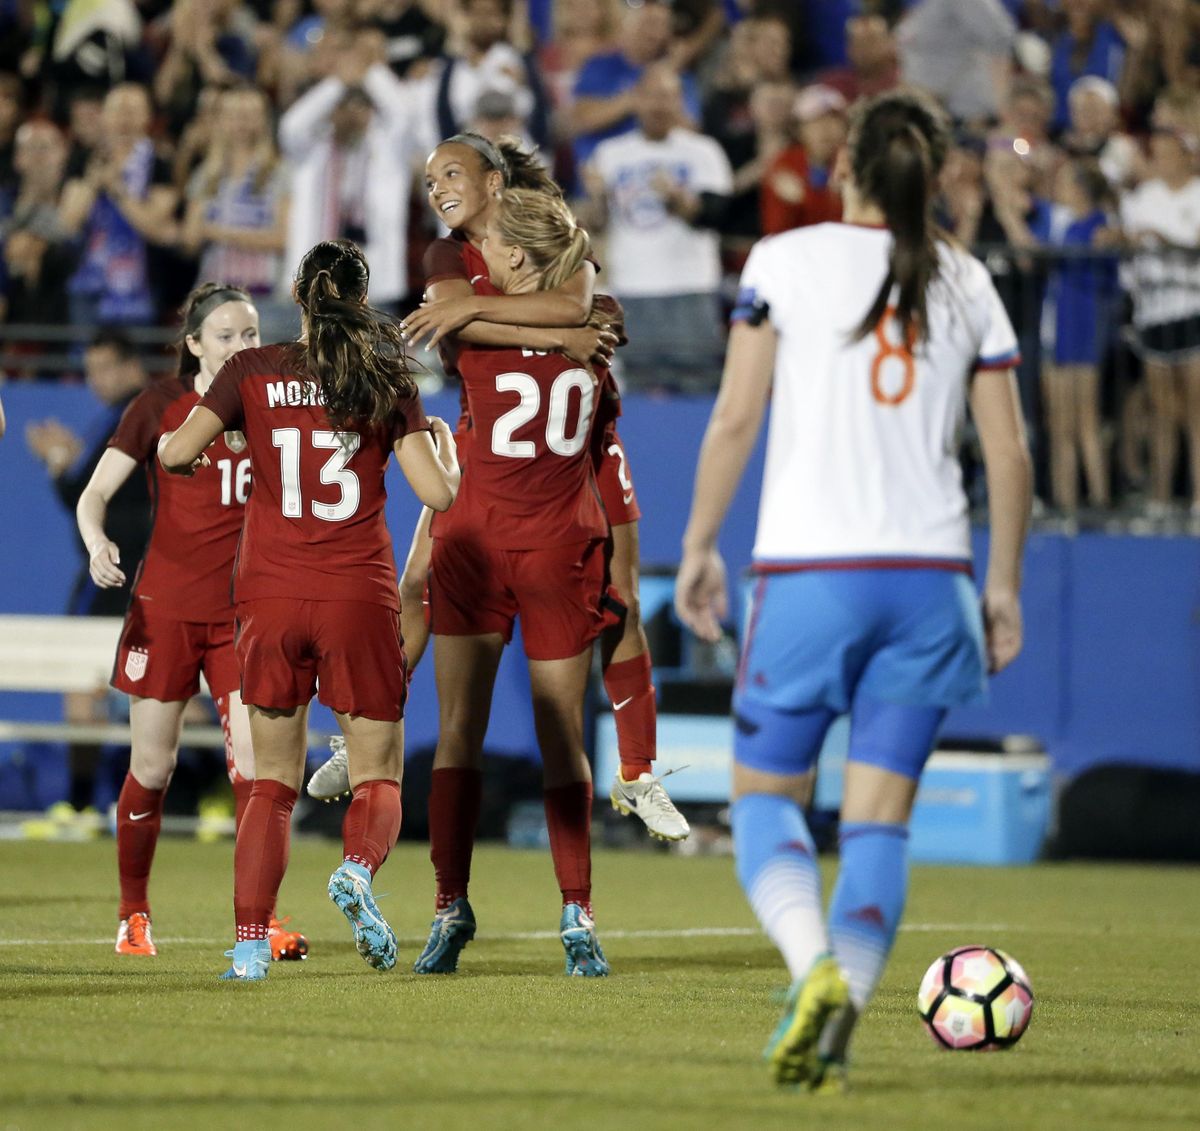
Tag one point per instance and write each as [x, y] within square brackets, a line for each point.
[869, 338]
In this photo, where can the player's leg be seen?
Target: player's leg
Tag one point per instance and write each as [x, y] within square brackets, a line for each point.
[932, 660]
[362, 677]
[791, 684]
[279, 678]
[1086, 384]
[625, 662]
[158, 667]
[558, 688]
[154, 747]
[465, 668]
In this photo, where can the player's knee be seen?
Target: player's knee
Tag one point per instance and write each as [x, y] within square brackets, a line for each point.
[152, 765]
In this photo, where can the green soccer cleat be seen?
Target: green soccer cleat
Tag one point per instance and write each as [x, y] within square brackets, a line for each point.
[792, 1050]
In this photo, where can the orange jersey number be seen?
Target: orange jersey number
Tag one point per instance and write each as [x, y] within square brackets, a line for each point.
[902, 351]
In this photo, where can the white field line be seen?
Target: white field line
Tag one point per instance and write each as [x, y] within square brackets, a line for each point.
[534, 936]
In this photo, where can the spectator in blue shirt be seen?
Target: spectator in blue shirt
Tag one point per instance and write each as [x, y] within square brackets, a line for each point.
[604, 91]
[1088, 46]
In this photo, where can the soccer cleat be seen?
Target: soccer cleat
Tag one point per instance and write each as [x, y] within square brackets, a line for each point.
[830, 1078]
[286, 946]
[646, 798]
[333, 778]
[350, 890]
[133, 935]
[250, 960]
[450, 931]
[585, 959]
[792, 1050]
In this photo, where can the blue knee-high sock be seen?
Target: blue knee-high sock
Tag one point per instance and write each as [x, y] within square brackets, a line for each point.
[867, 903]
[777, 868]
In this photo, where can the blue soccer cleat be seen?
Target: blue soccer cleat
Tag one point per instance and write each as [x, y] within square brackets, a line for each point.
[250, 961]
[585, 959]
[450, 931]
[350, 890]
[792, 1051]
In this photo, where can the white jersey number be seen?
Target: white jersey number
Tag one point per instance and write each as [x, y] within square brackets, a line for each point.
[521, 414]
[334, 472]
[235, 483]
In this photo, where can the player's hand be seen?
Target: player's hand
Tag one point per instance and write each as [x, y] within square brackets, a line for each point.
[443, 439]
[701, 597]
[1002, 627]
[435, 320]
[104, 564]
[589, 345]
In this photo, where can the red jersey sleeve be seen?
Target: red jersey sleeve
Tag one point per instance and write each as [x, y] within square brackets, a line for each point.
[444, 260]
[224, 396]
[409, 417]
[140, 425]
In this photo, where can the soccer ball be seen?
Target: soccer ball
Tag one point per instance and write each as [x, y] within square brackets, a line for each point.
[975, 998]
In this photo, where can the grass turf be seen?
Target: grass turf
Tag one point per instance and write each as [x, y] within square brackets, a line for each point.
[673, 1039]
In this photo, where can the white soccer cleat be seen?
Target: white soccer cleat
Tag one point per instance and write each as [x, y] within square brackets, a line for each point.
[333, 778]
[646, 798]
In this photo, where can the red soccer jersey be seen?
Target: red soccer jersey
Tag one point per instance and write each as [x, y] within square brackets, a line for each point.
[315, 527]
[529, 482]
[455, 257]
[188, 567]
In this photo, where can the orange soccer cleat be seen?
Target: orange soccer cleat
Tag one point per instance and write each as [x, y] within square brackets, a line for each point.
[286, 946]
[133, 935]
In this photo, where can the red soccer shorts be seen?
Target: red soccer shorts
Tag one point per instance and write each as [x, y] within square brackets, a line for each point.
[160, 658]
[560, 593]
[616, 484]
[348, 653]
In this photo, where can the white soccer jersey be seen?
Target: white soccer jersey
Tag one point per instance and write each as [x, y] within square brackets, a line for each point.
[862, 450]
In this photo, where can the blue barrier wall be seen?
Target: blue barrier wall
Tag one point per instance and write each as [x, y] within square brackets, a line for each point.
[1111, 670]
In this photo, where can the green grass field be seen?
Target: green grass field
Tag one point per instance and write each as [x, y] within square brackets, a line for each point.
[673, 1039]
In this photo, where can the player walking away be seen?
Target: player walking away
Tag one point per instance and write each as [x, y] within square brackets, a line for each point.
[180, 618]
[465, 177]
[315, 586]
[868, 337]
[527, 537]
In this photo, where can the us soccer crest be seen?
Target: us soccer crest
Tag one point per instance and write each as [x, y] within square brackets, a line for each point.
[235, 441]
[135, 663]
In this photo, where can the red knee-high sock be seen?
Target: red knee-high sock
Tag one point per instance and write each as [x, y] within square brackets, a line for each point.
[139, 819]
[372, 823]
[569, 822]
[454, 800]
[635, 713]
[260, 860]
[242, 788]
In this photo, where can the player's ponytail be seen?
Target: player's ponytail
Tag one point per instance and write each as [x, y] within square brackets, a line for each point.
[198, 305]
[897, 145]
[543, 227]
[355, 352]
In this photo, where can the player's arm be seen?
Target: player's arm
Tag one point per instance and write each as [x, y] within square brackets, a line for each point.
[700, 597]
[429, 461]
[104, 558]
[182, 452]
[996, 408]
[452, 307]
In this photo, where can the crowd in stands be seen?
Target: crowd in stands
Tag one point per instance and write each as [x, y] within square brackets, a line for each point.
[146, 144]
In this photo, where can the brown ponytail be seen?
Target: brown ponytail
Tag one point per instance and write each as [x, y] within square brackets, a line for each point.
[898, 144]
[355, 352]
